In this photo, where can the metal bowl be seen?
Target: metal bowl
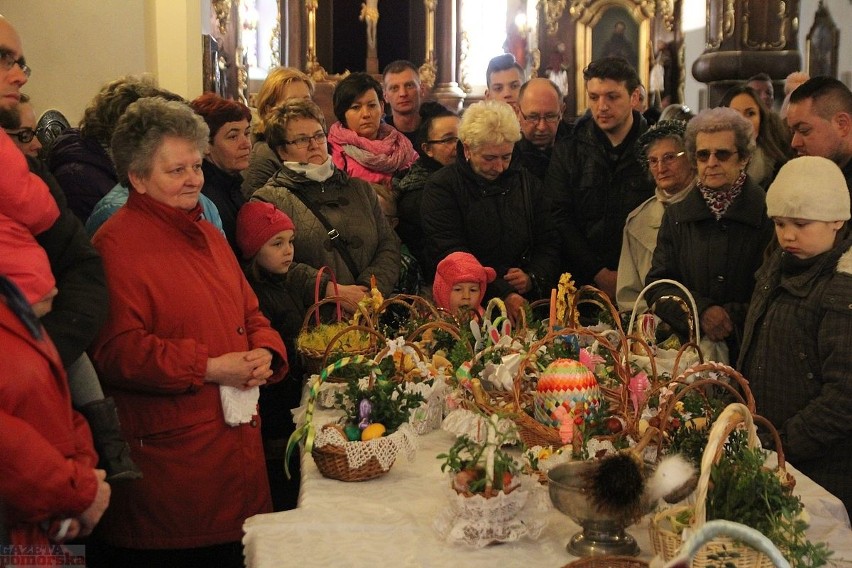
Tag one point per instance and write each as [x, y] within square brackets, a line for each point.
[603, 533]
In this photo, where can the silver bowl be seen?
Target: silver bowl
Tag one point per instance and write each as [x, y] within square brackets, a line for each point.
[603, 533]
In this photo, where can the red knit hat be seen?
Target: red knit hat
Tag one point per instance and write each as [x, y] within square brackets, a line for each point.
[24, 262]
[257, 222]
[459, 267]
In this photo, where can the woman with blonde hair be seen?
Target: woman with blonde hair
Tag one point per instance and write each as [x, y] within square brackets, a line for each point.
[488, 205]
[282, 84]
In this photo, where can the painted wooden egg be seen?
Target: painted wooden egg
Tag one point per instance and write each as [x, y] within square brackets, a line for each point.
[564, 381]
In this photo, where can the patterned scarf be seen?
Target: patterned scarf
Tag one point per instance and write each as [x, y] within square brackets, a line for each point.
[314, 172]
[720, 199]
[388, 153]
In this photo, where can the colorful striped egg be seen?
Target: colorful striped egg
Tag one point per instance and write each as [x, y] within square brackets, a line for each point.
[564, 381]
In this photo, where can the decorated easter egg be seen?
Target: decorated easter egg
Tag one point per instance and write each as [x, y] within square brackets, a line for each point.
[565, 381]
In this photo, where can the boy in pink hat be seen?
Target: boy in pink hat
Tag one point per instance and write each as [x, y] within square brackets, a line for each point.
[460, 282]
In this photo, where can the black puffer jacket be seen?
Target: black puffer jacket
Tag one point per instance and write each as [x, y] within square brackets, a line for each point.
[504, 223]
[593, 187]
[410, 188]
[223, 189]
[80, 308]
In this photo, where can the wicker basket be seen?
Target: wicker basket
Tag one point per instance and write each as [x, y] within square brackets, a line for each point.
[331, 456]
[607, 562]
[667, 543]
[332, 461]
[314, 360]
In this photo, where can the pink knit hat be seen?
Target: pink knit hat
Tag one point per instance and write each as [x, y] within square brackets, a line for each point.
[459, 267]
[257, 222]
[24, 262]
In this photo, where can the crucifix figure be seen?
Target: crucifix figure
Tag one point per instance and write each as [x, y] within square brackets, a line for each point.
[370, 15]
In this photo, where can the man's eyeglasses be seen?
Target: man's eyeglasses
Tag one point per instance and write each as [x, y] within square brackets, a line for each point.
[721, 155]
[447, 140]
[24, 135]
[7, 61]
[665, 159]
[305, 141]
[550, 118]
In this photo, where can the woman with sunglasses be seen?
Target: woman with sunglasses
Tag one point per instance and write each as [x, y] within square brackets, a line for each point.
[713, 240]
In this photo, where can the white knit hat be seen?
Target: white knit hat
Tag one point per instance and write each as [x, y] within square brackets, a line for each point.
[811, 188]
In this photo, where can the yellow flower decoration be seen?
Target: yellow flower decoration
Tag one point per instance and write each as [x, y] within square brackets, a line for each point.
[565, 314]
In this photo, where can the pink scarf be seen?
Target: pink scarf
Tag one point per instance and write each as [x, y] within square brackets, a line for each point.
[390, 152]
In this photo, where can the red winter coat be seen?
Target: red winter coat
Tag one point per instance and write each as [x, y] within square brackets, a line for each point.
[177, 297]
[46, 453]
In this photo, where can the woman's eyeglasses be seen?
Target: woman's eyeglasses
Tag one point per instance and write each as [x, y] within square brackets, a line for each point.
[664, 160]
[721, 155]
[24, 135]
[447, 140]
[305, 141]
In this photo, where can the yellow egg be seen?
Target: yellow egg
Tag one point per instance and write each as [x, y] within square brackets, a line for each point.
[376, 430]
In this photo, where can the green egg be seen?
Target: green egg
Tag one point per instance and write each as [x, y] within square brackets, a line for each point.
[353, 433]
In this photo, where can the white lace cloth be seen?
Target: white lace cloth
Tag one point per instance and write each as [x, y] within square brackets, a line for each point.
[502, 518]
[388, 521]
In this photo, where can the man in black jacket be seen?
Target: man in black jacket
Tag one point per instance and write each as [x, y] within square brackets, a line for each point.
[595, 179]
[540, 114]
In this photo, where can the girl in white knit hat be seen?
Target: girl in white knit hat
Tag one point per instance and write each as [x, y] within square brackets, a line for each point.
[797, 347]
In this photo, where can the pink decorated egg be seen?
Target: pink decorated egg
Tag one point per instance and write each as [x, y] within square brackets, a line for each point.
[564, 381]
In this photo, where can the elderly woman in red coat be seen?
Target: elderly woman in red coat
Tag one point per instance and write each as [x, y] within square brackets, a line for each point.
[183, 352]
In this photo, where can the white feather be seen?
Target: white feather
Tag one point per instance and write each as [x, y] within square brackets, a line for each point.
[672, 472]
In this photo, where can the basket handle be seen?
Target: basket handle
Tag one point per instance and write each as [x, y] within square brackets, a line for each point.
[732, 416]
[318, 297]
[741, 381]
[694, 323]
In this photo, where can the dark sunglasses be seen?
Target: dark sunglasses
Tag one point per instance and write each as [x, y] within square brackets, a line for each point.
[24, 135]
[721, 155]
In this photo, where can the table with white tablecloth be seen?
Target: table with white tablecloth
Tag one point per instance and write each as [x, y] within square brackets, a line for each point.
[388, 521]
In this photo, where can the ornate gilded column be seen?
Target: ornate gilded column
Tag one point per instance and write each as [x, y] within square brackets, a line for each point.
[428, 71]
[312, 65]
[746, 37]
[447, 91]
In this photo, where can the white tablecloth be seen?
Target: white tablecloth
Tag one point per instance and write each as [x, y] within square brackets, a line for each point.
[388, 522]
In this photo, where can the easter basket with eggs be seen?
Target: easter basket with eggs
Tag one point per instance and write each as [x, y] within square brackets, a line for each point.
[374, 430]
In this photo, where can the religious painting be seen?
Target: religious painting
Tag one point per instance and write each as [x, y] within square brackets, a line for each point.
[616, 34]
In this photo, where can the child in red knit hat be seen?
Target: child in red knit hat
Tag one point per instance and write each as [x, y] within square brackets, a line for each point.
[285, 291]
[460, 282]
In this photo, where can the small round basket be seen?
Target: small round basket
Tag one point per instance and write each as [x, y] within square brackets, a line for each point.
[607, 562]
[337, 458]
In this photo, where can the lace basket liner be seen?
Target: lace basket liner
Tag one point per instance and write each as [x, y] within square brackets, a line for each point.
[502, 518]
[384, 449]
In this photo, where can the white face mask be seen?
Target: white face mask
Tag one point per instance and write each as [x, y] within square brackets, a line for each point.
[316, 172]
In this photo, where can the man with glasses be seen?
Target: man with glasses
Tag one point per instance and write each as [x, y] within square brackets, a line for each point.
[595, 178]
[24, 136]
[402, 94]
[540, 114]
